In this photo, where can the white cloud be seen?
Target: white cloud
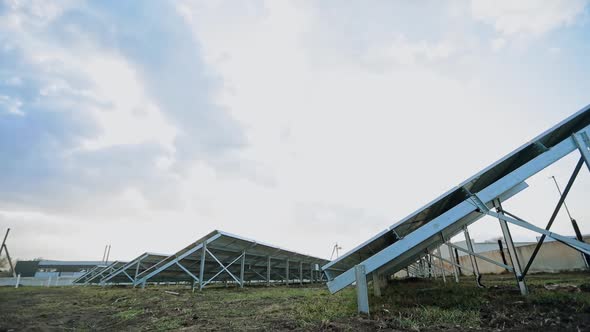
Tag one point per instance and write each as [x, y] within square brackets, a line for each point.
[365, 146]
[133, 117]
[527, 16]
[402, 51]
[498, 44]
[335, 149]
[11, 105]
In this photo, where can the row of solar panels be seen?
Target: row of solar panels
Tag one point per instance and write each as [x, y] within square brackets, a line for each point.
[430, 226]
[217, 257]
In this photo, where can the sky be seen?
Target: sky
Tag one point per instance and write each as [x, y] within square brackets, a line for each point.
[148, 124]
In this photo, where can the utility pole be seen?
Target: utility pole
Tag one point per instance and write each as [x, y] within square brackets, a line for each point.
[5, 248]
[104, 254]
[573, 221]
[108, 254]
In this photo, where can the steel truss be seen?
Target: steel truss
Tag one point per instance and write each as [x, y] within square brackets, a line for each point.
[98, 272]
[224, 258]
[128, 273]
[481, 195]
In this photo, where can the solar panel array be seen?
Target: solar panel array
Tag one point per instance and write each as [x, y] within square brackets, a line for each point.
[218, 257]
[430, 226]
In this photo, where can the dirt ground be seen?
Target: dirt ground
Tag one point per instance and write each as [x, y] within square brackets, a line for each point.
[408, 305]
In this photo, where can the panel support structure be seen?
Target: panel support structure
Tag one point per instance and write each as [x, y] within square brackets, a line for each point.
[379, 283]
[242, 266]
[513, 255]
[287, 272]
[362, 292]
[441, 267]
[484, 258]
[574, 244]
[583, 143]
[268, 271]
[454, 266]
[202, 267]
[510, 174]
[472, 257]
[560, 203]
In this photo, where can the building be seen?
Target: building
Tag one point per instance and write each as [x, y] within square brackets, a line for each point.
[51, 268]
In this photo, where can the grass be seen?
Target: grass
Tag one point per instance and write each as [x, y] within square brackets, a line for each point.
[128, 314]
[405, 305]
[423, 317]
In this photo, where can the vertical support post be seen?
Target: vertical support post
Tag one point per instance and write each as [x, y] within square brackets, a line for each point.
[242, 265]
[502, 252]
[136, 271]
[457, 260]
[143, 285]
[379, 282]
[311, 271]
[421, 267]
[454, 267]
[580, 238]
[362, 293]
[513, 256]
[287, 272]
[301, 273]
[583, 143]
[441, 266]
[17, 281]
[471, 257]
[193, 287]
[202, 267]
[268, 271]
[432, 267]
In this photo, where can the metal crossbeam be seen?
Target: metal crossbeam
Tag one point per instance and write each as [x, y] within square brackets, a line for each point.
[575, 244]
[223, 268]
[561, 202]
[125, 273]
[171, 260]
[582, 140]
[512, 252]
[187, 271]
[122, 269]
[452, 263]
[489, 260]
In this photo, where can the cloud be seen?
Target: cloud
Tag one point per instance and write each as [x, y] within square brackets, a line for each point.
[404, 52]
[498, 44]
[525, 17]
[92, 100]
[295, 123]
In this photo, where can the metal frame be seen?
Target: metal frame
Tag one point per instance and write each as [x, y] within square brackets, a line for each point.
[227, 258]
[93, 271]
[135, 266]
[99, 272]
[405, 242]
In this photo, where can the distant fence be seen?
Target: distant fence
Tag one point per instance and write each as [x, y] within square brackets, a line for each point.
[37, 281]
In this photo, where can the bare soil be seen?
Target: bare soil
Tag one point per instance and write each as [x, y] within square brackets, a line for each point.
[407, 305]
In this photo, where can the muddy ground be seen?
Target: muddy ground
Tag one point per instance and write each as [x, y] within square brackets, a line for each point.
[410, 305]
